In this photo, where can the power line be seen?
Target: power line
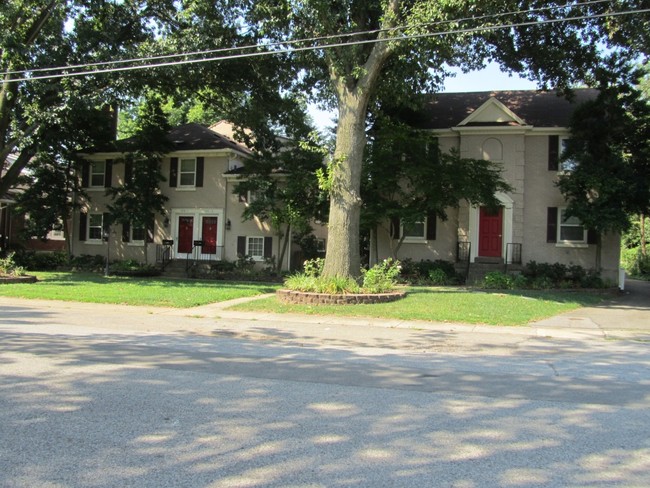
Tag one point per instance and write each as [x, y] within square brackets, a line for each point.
[304, 40]
[327, 46]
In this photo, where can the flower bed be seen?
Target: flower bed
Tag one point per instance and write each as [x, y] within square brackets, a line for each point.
[310, 298]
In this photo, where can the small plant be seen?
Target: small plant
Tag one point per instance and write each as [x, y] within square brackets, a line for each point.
[381, 277]
[496, 280]
[314, 267]
[9, 267]
[131, 267]
[313, 284]
[437, 277]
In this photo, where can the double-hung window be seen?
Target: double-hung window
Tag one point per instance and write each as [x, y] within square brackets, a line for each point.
[570, 230]
[255, 247]
[415, 231]
[138, 234]
[565, 165]
[97, 174]
[187, 173]
[95, 227]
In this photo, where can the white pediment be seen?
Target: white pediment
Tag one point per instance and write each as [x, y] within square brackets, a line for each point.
[492, 111]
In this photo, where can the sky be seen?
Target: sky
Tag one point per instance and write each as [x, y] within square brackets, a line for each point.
[489, 79]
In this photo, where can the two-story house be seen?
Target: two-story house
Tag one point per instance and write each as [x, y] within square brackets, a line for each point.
[524, 132]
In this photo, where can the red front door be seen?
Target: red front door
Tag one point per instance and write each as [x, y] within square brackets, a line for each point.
[209, 235]
[490, 231]
[185, 233]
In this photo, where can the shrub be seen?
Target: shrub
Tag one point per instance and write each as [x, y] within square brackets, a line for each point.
[496, 280]
[314, 267]
[422, 271]
[131, 267]
[86, 262]
[381, 277]
[313, 284]
[438, 277]
[635, 263]
[9, 267]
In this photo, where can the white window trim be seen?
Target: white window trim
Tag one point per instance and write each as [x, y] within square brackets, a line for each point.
[179, 185]
[90, 176]
[568, 243]
[255, 258]
[90, 240]
[135, 242]
[415, 239]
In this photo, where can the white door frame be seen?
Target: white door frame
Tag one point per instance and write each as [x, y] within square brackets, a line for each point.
[197, 214]
[508, 205]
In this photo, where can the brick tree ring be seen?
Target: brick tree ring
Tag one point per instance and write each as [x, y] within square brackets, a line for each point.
[309, 298]
[17, 279]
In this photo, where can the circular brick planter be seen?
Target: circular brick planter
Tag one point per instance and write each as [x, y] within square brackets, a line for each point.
[307, 298]
[17, 279]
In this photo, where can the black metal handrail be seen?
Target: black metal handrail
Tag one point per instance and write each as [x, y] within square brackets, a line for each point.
[164, 253]
[513, 254]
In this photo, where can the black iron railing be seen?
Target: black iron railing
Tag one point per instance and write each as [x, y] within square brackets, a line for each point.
[202, 253]
[164, 253]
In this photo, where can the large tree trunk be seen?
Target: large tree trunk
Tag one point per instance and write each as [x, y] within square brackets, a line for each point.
[342, 258]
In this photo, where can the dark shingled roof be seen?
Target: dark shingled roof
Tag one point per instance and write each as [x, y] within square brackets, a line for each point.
[539, 109]
[188, 137]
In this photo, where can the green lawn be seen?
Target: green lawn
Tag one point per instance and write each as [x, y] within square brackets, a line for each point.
[449, 305]
[157, 292]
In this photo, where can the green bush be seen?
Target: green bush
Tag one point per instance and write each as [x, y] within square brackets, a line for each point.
[313, 284]
[131, 267]
[421, 273]
[314, 267]
[87, 262]
[9, 267]
[635, 263]
[381, 277]
[496, 280]
[437, 277]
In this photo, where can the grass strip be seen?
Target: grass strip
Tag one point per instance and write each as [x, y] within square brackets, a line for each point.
[157, 292]
[455, 305]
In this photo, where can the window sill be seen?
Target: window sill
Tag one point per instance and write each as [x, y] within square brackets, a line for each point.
[94, 242]
[575, 245]
[186, 188]
[96, 188]
[135, 243]
[414, 240]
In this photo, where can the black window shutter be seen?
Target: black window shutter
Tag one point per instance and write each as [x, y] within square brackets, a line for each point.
[551, 224]
[431, 226]
[592, 236]
[553, 155]
[173, 172]
[83, 225]
[394, 227]
[200, 162]
[150, 230]
[85, 174]
[108, 174]
[268, 247]
[126, 231]
[241, 245]
[128, 171]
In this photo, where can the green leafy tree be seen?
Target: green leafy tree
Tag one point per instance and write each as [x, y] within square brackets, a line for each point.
[37, 34]
[407, 176]
[285, 189]
[380, 60]
[139, 199]
[610, 152]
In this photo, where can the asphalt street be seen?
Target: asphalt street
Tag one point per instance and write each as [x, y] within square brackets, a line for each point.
[111, 396]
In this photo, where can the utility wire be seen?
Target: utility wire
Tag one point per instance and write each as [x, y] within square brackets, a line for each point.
[305, 40]
[326, 46]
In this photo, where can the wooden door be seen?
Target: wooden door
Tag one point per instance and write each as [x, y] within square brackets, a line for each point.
[490, 242]
[185, 233]
[209, 235]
